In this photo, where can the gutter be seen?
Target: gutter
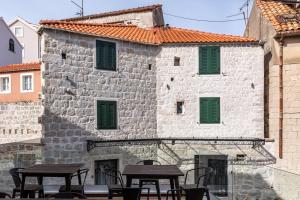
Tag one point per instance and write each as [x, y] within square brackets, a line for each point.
[281, 43]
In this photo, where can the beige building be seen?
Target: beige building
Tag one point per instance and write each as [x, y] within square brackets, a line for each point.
[277, 26]
[27, 35]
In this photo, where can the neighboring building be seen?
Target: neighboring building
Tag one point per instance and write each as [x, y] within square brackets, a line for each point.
[10, 48]
[277, 25]
[113, 81]
[144, 17]
[27, 35]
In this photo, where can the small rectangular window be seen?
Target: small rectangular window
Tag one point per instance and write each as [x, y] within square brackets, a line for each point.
[176, 61]
[5, 84]
[106, 55]
[106, 114]
[18, 31]
[209, 110]
[180, 107]
[27, 82]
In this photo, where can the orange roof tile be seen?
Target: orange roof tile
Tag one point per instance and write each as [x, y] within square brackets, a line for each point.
[278, 14]
[154, 36]
[118, 12]
[20, 67]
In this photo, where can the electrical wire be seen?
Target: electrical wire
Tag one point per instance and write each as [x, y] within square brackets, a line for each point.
[203, 20]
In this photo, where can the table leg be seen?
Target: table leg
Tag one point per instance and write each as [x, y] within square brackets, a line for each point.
[172, 188]
[177, 188]
[79, 177]
[128, 181]
[68, 183]
[41, 192]
[22, 192]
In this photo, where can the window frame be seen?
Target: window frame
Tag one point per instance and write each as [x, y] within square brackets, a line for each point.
[9, 79]
[117, 114]
[198, 56]
[95, 55]
[183, 109]
[203, 123]
[22, 31]
[11, 42]
[21, 82]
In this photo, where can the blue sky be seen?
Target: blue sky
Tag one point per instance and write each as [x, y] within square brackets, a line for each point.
[35, 10]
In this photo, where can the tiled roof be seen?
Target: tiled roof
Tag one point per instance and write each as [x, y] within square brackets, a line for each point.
[283, 17]
[118, 12]
[153, 36]
[20, 67]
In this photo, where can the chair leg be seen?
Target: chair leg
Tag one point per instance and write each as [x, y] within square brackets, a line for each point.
[207, 195]
[157, 190]
[109, 194]
[14, 194]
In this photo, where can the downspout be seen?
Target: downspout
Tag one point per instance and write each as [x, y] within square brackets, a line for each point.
[281, 43]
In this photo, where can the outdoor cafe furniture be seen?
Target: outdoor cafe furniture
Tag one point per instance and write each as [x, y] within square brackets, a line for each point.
[50, 170]
[150, 181]
[190, 193]
[170, 172]
[80, 187]
[68, 195]
[29, 189]
[4, 195]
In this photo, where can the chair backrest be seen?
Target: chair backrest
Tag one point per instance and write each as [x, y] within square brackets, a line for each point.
[111, 173]
[131, 193]
[194, 193]
[14, 172]
[148, 162]
[82, 173]
[4, 195]
[68, 195]
[204, 174]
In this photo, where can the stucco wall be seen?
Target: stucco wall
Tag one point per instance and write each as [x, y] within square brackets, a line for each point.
[30, 40]
[240, 87]
[6, 56]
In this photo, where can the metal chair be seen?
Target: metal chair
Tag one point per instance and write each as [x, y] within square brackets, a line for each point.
[150, 181]
[80, 187]
[202, 180]
[190, 194]
[4, 195]
[29, 189]
[68, 195]
[117, 189]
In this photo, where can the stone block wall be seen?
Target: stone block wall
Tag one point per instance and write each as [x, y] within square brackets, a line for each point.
[240, 86]
[70, 111]
[20, 121]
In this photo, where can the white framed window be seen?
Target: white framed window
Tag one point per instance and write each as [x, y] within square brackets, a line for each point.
[5, 84]
[27, 82]
[19, 31]
[23, 50]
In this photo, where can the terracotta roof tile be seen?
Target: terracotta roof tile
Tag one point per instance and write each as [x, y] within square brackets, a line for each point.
[153, 36]
[282, 16]
[20, 67]
[118, 12]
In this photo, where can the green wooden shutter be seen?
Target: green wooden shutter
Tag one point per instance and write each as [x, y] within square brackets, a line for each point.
[203, 60]
[209, 60]
[106, 115]
[105, 55]
[214, 60]
[100, 55]
[210, 110]
[112, 115]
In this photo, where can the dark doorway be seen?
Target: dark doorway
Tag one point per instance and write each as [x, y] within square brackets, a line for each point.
[100, 165]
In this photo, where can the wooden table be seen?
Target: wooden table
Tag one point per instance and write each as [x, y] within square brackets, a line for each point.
[170, 172]
[51, 170]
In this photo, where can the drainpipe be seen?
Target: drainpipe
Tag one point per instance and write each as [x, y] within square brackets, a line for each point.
[281, 42]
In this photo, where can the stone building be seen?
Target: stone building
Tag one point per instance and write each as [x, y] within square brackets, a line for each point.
[277, 25]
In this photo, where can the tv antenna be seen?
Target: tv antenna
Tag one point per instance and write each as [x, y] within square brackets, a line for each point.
[242, 12]
[80, 13]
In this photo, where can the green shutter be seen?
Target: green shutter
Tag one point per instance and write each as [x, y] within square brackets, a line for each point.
[209, 60]
[105, 55]
[106, 115]
[210, 110]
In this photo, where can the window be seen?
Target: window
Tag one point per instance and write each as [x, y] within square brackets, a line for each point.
[23, 50]
[106, 114]
[179, 107]
[26, 82]
[209, 110]
[209, 60]
[101, 165]
[176, 61]
[11, 45]
[106, 55]
[18, 31]
[5, 84]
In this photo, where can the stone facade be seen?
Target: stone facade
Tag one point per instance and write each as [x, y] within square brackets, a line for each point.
[20, 121]
[70, 112]
[239, 86]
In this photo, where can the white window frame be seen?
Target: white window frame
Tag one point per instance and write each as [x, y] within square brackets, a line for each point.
[22, 31]
[9, 78]
[21, 82]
